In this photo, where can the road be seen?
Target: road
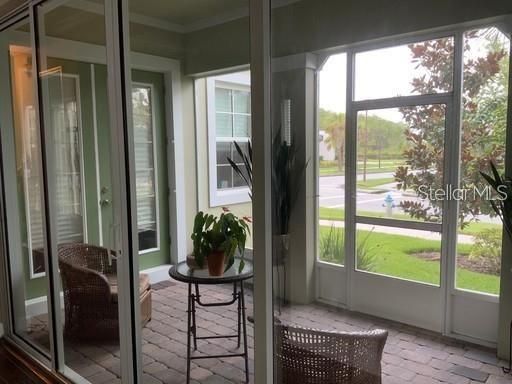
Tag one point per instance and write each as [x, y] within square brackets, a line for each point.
[332, 192]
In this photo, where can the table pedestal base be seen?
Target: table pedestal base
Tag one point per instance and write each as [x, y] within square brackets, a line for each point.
[194, 298]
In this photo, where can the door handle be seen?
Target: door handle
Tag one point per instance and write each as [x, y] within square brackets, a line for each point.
[104, 202]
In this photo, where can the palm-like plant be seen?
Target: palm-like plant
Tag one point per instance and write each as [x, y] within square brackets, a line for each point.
[502, 205]
[245, 171]
[286, 171]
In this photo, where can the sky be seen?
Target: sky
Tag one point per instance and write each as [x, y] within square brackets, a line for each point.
[392, 78]
[379, 73]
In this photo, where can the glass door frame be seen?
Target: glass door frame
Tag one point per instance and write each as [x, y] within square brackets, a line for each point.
[9, 311]
[124, 200]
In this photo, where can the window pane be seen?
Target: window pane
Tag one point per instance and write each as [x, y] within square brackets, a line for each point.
[331, 242]
[224, 124]
[428, 65]
[242, 102]
[223, 152]
[145, 183]
[399, 252]
[242, 126]
[486, 73]
[236, 156]
[224, 177]
[144, 156]
[238, 181]
[400, 157]
[63, 93]
[145, 166]
[331, 159]
[223, 101]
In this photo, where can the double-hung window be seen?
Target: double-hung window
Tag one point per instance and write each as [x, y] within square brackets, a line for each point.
[229, 121]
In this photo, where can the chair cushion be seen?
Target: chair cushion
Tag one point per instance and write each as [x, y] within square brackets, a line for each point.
[144, 285]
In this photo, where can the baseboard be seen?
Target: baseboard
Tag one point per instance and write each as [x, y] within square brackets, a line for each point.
[158, 274]
[38, 306]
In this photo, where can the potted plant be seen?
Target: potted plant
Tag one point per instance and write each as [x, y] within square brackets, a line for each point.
[217, 238]
[287, 171]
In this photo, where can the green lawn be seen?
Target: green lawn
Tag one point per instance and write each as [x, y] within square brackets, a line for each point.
[392, 255]
[372, 183]
[329, 168]
[338, 214]
[330, 171]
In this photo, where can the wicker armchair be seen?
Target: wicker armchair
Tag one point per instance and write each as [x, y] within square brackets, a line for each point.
[89, 283]
[309, 356]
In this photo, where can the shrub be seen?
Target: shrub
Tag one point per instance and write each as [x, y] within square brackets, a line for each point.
[487, 249]
[332, 246]
[365, 254]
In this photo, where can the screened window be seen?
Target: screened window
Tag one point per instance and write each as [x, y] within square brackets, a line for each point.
[147, 216]
[229, 121]
[233, 122]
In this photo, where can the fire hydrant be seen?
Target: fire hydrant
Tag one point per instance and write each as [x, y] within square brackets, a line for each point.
[388, 203]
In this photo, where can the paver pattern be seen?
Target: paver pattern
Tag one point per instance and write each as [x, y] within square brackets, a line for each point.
[411, 355]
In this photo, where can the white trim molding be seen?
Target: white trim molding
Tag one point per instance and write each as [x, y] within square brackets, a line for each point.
[234, 195]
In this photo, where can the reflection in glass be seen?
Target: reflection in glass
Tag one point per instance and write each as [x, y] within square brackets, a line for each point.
[22, 160]
[77, 130]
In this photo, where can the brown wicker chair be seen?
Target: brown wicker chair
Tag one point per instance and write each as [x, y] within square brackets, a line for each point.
[309, 356]
[89, 283]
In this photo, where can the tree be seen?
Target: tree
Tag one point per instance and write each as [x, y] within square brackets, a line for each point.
[483, 126]
[383, 136]
[334, 125]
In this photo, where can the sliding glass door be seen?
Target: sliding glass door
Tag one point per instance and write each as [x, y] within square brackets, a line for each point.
[69, 261]
[24, 207]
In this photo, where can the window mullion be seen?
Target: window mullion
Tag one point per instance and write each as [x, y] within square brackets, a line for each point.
[451, 177]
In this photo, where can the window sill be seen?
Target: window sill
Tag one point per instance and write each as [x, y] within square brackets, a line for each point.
[229, 197]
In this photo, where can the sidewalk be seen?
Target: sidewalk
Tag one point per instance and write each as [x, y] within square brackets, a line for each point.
[462, 239]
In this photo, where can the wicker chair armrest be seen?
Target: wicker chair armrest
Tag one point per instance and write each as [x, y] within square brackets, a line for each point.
[88, 284]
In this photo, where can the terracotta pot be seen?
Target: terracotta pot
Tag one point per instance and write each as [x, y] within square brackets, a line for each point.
[216, 263]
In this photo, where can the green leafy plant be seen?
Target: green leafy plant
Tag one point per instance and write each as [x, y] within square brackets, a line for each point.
[502, 203]
[226, 233]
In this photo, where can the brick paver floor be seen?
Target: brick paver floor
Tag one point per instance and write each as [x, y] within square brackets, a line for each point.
[410, 356]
